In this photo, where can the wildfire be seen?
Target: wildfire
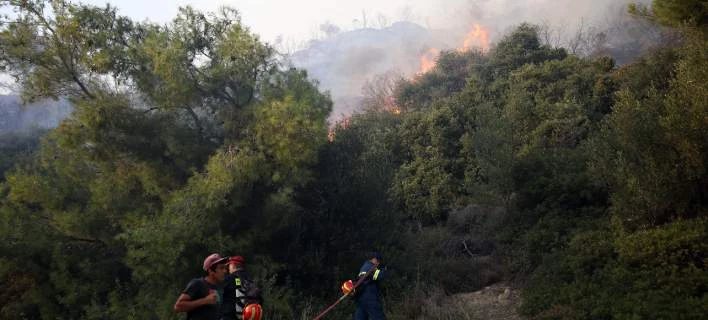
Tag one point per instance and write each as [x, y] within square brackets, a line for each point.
[428, 60]
[341, 124]
[478, 37]
[391, 106]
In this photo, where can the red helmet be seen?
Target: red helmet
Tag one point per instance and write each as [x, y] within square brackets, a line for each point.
[347, 287]
[252, 312]
[237, 260]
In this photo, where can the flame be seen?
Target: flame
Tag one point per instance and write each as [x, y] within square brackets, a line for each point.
[391, 106]
[428, 60]
[478, 37]
[341, 124]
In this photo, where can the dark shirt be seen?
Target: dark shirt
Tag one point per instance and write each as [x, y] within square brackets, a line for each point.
[197, 289]
[369, 288]
[228, 310]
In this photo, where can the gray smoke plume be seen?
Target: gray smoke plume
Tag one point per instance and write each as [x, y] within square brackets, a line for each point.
[343, 62]
[18, 118]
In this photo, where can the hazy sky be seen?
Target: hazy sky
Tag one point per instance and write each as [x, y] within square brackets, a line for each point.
[299, 20]
[294, 19]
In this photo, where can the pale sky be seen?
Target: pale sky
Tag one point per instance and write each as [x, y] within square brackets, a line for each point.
[294, 19]
[298, 21]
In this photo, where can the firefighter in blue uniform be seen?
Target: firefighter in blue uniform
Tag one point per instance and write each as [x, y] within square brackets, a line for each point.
[368, 297]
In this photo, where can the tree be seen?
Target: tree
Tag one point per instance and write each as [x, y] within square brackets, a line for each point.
[17, 148]
[447, 78]
[521, 47]
[675, 13]
[379, 92]
[170, 123]
[654, 145]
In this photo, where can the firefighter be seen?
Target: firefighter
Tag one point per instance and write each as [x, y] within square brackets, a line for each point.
[242, 298]
[368, 296]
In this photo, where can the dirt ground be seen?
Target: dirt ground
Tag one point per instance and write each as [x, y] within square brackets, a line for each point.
[498, 301]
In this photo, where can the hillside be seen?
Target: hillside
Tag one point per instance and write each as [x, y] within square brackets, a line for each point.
[344, 62]
[523, 179]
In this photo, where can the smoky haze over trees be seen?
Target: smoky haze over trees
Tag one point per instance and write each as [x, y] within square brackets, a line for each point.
[580, 180]
[16, 117]
[343, 61]
[344, 58]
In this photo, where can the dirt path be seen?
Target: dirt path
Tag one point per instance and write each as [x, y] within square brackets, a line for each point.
[497, 301]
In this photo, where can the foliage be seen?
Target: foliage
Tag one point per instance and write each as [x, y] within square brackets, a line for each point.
[171, 124]
[675, 13]
[655, 147]
[580, 179]
[17, 148]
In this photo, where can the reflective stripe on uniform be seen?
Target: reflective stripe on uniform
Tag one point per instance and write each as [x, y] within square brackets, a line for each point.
[376, 274]
[240, 301]
[362, 273]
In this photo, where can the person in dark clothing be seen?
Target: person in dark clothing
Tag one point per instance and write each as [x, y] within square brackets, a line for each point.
[239, 290]
[368, 298]
[201, 298]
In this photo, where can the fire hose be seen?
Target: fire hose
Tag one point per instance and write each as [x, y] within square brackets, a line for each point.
[344, 296]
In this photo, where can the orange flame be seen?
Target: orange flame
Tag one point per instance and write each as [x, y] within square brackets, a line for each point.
[341, 124]
[391, 106]
[478, 37]
[428, 60]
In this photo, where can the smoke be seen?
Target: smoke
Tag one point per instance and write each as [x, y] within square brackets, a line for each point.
[499, 15]
[18, 118]
[343, 62]
[393, 44]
